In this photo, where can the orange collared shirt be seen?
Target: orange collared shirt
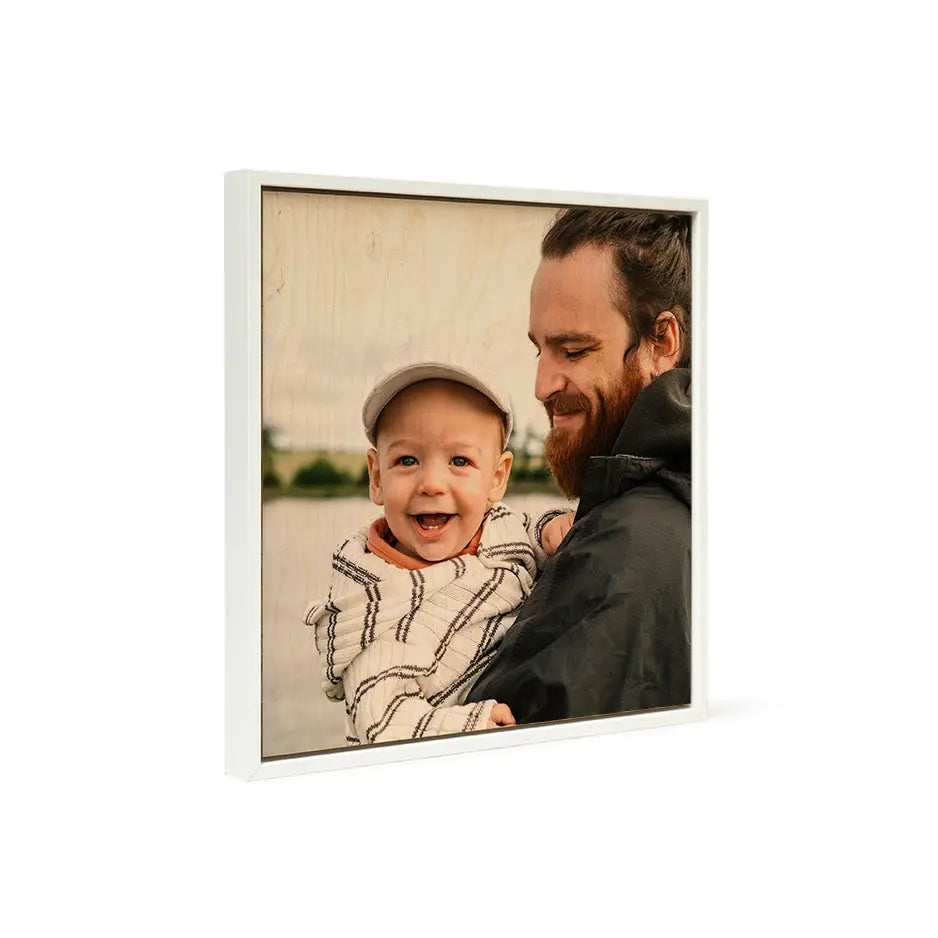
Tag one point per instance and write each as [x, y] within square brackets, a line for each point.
[381, 542]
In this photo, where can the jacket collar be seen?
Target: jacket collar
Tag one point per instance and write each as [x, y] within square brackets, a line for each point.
[654, 442]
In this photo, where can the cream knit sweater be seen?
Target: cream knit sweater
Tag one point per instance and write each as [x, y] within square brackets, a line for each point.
[404, 647]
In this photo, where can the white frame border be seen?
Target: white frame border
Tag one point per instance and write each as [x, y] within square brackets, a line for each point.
[243, 480]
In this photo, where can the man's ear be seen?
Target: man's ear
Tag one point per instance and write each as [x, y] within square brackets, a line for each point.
[500, 478]
[374, 478]
[666, 346]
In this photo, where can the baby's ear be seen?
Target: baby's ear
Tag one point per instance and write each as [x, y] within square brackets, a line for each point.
[374, 478]
[500, 477]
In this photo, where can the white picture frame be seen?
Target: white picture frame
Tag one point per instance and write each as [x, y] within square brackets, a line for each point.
[243, 354]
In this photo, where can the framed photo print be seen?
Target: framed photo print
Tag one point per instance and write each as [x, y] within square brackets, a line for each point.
[462, 429]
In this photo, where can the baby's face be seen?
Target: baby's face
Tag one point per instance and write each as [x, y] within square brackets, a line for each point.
[438, 466]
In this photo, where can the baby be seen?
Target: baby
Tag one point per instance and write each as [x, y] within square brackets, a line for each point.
[421, 598]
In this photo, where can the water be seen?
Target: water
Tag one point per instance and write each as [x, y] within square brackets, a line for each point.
[299, 536]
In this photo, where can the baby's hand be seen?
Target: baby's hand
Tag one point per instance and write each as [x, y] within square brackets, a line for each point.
[555, 531]
[501, 716]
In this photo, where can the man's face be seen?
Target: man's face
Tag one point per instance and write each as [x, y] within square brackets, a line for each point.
[438, 466]
[583, 380]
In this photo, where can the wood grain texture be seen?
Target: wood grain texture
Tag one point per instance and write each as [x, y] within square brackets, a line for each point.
[352, 287]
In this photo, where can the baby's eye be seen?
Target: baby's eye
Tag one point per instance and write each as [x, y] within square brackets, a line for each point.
[408, 460]
[460, 461]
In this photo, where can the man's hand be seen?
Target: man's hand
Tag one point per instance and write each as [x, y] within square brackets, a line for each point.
[555, 531]
[501, 716]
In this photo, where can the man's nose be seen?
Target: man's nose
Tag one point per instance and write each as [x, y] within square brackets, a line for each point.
[549, 378]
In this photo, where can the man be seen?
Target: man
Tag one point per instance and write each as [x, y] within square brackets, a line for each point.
[607, 627]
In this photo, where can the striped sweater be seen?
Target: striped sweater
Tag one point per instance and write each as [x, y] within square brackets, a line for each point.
[403, 648]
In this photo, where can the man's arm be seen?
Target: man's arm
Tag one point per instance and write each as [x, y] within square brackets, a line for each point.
[607, 626]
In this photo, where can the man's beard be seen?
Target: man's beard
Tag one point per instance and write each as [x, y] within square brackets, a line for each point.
[568, 452]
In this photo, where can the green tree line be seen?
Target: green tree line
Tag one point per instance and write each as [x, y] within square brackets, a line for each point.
[323, 478]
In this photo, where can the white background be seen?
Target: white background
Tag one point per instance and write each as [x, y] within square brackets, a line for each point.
[805, 804]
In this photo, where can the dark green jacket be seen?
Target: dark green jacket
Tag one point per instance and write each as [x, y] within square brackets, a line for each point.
[607, 627]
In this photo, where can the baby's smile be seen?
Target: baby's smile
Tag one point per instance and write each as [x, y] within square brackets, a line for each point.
[432, 523]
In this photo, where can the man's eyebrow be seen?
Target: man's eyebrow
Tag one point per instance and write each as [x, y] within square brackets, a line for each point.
[565, 338]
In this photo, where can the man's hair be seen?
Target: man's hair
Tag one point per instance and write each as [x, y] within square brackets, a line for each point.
[651, 253]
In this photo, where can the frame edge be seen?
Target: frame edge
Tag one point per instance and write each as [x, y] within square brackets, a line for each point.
[242, 475]
[699, 455]
[243, 351]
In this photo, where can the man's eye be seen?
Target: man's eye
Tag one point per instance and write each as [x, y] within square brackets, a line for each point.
[460, 461]
[574, 354]
[408, 461]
